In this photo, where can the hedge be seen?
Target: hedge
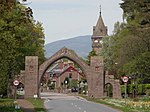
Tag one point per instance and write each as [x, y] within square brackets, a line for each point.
[139, 88]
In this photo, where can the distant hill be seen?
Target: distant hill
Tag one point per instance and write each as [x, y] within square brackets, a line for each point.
[81, 45]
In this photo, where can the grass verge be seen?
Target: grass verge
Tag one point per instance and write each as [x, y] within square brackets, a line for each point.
[38, 104]
[7, 105]
[122, 108]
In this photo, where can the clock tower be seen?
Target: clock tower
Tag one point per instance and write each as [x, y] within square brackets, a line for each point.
[99, 31]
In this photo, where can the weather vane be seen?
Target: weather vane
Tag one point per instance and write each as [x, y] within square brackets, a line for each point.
[100, 9]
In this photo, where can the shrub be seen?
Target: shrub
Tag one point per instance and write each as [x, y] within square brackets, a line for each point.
[140, 89]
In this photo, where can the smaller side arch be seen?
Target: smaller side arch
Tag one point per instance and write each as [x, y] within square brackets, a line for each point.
[115, 85]
[108, 90]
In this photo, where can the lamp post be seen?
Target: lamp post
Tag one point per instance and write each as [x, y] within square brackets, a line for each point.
[141, 75]
[16, 83]
[81, 86]
[66, 83]
[134, 83]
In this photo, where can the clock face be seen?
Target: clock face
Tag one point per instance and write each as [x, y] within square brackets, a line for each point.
[101, 41]
[96, 41]
[25, 2]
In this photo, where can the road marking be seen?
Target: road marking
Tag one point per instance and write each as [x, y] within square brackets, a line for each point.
[75, 105]
[79, 108]
[84, 111]
[71, 103]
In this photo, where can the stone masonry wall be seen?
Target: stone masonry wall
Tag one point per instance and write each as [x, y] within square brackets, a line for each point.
[31, 78]
[96, 77]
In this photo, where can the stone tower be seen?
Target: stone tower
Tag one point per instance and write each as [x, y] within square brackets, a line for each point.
[96, 62]
[99, 31]
[98, 77]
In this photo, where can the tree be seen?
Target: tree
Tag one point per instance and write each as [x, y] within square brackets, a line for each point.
[129, 46]
[140, 66]
[138, 20]
[136, 11]
[20, 36]
[91, 53]
[74, 83]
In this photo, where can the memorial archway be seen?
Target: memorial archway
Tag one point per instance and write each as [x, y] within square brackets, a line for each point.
[94, 73]
[64, 53]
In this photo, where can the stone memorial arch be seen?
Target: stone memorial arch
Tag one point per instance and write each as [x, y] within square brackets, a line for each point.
[33, 74]
[96, 77]
[94, 74]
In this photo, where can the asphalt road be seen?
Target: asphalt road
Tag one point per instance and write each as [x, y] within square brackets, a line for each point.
[64, 103]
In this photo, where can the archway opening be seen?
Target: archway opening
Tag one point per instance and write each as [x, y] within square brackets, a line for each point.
[108, 90]
[64, 75]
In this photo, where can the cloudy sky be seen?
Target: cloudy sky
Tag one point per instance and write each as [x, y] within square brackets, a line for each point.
[70, 18]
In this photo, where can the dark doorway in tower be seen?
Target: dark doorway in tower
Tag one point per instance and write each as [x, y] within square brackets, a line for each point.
[64, 76]
[108, 90]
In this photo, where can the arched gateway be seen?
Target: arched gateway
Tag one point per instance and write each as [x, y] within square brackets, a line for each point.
[95, 75]
[64, 53]
[33, 74]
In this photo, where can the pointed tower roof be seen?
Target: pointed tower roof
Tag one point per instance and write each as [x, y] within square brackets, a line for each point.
[100, 29]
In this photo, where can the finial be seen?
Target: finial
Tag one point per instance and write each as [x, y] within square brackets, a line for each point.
[100, 10]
